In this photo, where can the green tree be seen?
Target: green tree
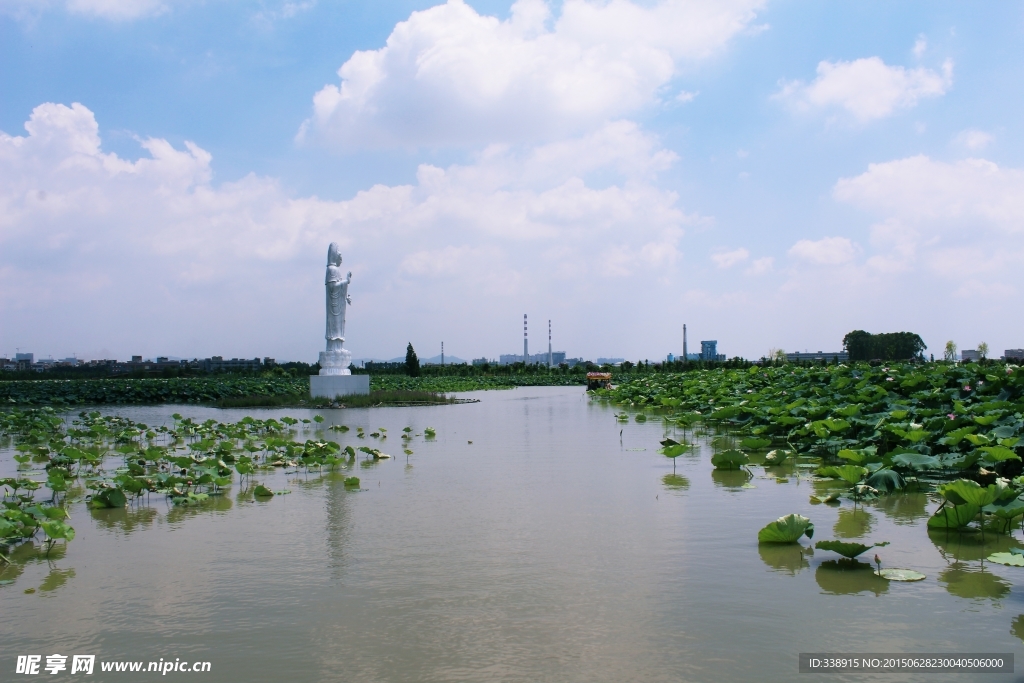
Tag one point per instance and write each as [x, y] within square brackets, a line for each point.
[862, 345]
[859, 345]
[983, 350]
[950, 352]
[412, 362]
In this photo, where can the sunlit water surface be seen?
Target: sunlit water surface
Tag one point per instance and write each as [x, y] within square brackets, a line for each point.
[529, 541]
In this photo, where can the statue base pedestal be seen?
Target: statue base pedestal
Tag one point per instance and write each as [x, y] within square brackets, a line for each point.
[335, 362]
[333, 386]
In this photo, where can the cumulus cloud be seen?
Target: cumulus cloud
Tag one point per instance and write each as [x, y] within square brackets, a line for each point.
[956, 225]
[159, 255]
[728, 259]
[866, 89]
[448, 75]
[828, 251]
[973, 140]
[966, 194]
[761, 266]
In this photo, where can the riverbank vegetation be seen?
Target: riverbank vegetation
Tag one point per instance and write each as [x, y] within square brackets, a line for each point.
[248, 391]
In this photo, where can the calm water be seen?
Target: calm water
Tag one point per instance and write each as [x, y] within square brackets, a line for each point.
[546, 550]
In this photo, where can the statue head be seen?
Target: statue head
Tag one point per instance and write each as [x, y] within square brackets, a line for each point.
[334, 254]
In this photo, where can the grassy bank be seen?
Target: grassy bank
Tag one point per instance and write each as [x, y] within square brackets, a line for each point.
[245, 391]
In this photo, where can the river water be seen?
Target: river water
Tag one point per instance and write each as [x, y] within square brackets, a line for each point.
[534, 539]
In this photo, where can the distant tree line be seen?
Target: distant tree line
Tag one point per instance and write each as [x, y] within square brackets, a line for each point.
[863, 345]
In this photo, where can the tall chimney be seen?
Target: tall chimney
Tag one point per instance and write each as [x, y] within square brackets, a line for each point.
[685, 357]
[526, 344]
[549, 343]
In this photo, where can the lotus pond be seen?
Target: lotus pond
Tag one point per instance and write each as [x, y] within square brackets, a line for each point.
[534, 535]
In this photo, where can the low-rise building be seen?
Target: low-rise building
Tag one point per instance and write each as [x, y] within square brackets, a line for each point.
[1013, 354]
[970, 354]
[817, 356]
[220, 364]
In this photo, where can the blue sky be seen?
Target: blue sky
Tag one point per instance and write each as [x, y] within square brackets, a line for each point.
[773, 174]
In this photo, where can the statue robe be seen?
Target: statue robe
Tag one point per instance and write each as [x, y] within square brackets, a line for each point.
[337, 293]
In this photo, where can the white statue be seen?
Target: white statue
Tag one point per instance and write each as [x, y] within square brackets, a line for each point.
[335, 360]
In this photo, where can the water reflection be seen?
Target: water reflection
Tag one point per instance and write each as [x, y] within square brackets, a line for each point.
[904, 508]
[730, 479]
[28, 553]
[785, 558]
[124, 519]
[848, 577]
[675, 482]
[1017, 627]
[970, 546]
[211, 504]
[56, 578]
[973, 583]
[853, 523]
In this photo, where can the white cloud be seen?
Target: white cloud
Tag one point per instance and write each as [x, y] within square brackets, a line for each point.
[920, 46]
[828, 251]
[157, 255]
[728, 259]
[448, 75]
[761, 266]
[117, 10]
[942, 196]
[948, 228]
[973, 140]
[685, 96]
[867, 89]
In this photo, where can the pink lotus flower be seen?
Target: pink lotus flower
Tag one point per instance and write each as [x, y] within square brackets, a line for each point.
[951, 416]
[967, 387]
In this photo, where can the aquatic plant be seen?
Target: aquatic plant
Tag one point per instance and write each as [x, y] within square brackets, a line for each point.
[847, 549]
[731, 459]
[788, 529]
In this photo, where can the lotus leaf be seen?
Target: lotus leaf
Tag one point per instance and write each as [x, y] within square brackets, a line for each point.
[847, 550]
[901, 575]
[915, 461]
[855, 457]
[729, 460]
[885, 480]
[672, 448]
[775, 458]
[56, 529]
[786, 529]
[851, 474]
[1006, 510]
[262, 491]
[998, 453]
[754, 444]
[971, 492]
[953, 516]
[825, 497]
[1009, 559]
